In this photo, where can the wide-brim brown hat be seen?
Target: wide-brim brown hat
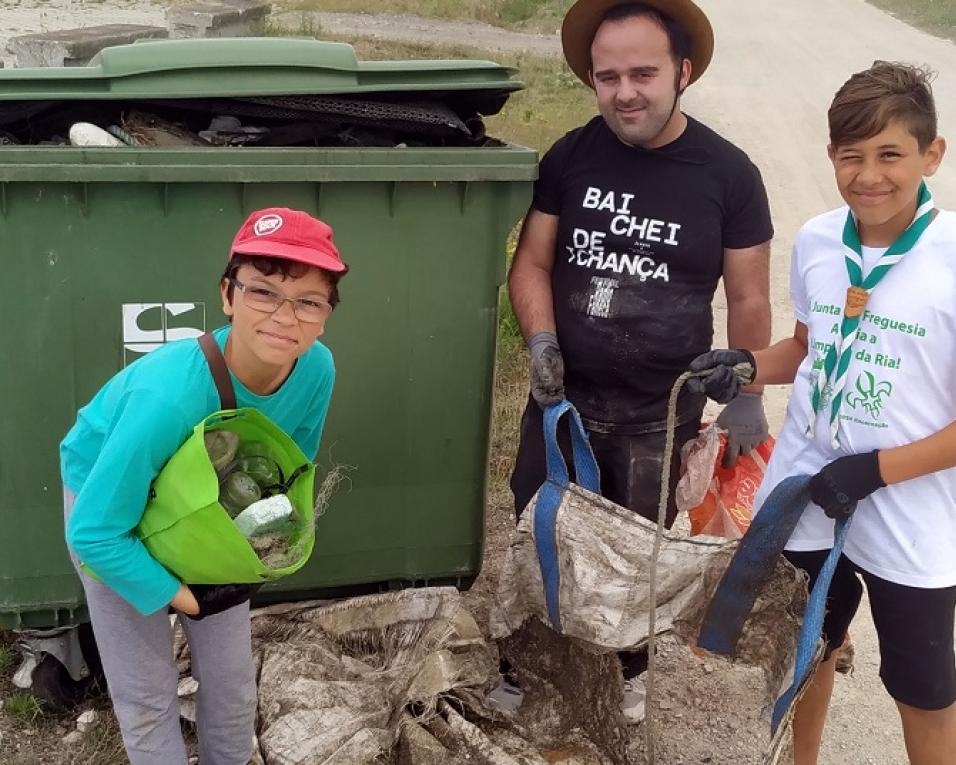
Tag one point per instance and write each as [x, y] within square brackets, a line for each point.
[584, 17]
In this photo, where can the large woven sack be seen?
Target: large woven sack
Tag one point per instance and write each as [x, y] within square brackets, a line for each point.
[186, 529]
[581, 563]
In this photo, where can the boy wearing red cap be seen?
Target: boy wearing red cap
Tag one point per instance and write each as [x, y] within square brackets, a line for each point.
[278, 290]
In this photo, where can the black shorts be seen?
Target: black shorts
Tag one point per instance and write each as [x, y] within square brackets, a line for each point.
[630, 465]
[914, 626]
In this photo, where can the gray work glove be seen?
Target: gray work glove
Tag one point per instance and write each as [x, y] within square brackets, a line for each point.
[746, 426]
[547, 369]
[726, 370]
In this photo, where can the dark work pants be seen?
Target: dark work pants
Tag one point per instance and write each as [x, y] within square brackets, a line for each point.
[630, 465]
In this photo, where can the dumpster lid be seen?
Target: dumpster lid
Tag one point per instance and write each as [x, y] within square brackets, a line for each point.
[236, 67]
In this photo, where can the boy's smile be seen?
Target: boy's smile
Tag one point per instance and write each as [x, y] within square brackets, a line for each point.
[879, 177]
[264, 344]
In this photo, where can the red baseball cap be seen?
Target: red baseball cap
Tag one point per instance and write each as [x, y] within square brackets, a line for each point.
[279, 232]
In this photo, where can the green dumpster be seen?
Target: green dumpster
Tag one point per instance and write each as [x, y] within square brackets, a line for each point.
[108, 253]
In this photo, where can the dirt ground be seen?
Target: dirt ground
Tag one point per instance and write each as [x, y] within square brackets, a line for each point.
[775, 69]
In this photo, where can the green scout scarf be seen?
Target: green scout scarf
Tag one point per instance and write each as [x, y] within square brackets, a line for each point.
[829, 379]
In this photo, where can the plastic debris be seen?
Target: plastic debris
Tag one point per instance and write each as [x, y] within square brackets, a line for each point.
[229, 131]
[89, 135]
[262, 470]
[118, 132]
[87, 720]
[152, 130]
[237, 491]
[221, 446]
[267, 516]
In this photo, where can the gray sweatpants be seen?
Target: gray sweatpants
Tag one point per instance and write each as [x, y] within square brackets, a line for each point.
[137, 654]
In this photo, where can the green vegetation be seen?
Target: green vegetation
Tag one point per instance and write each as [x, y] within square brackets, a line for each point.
[529, 15]
[305, 27]
[6, 658]
[23, 708]
[102, 744]
[935, 16]
[509, 333]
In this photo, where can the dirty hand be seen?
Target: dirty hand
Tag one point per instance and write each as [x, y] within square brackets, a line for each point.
[216, 598]
[547, 369]
[746, 426]
[729, 369]
[844, 482]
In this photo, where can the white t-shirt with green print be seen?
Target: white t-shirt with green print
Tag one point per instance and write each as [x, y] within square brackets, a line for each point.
[901, 388]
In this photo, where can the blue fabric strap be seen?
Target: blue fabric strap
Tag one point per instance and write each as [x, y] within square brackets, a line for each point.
[585, 466]
[812, 624]
[551, 493]
[752, 565]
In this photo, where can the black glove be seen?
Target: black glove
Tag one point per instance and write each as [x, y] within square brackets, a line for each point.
[844, 482]
[729, 369]
[547, 369]
[216, 598]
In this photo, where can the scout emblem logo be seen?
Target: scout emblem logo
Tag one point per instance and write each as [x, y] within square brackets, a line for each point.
[267, 224]
[869, 394]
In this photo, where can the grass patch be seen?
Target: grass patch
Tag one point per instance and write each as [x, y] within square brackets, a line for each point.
[511, 394]
[23, 708]
[935, 16]
[102, 744]
[525, 15]
[509, 332]
[305, 26]
[6, 658]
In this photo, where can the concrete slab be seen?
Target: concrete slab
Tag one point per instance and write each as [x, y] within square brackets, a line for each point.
[75, 47]
[237, 18]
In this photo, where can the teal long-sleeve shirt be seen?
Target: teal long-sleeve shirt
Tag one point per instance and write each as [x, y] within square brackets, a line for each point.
[135, 423]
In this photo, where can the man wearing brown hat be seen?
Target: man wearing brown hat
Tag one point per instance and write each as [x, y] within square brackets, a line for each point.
[636, 216]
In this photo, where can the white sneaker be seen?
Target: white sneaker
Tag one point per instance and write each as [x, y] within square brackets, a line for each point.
[635, 697]
[505, 698]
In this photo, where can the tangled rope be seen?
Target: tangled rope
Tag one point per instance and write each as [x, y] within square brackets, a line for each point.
[743, 373]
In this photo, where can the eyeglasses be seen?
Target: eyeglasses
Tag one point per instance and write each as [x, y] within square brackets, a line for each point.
[267, 301]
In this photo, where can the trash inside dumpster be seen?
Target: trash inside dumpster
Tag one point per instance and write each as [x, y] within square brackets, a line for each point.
[230, 102]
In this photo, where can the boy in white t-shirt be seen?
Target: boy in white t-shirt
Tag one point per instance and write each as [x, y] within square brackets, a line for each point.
[872, 416]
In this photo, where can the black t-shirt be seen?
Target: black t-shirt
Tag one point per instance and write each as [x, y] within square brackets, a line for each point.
[639, 252]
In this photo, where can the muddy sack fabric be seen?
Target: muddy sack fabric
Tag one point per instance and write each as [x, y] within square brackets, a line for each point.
[581, 563]
[186, 529]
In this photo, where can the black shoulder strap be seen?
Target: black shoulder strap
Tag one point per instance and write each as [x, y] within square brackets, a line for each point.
[220, 372]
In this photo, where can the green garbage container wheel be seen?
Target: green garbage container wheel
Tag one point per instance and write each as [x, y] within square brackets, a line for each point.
[53, 685]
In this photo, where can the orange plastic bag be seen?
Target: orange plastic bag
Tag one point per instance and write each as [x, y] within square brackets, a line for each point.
[719, 500]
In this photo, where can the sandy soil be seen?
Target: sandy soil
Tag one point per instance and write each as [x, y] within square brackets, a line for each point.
[776, 67]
